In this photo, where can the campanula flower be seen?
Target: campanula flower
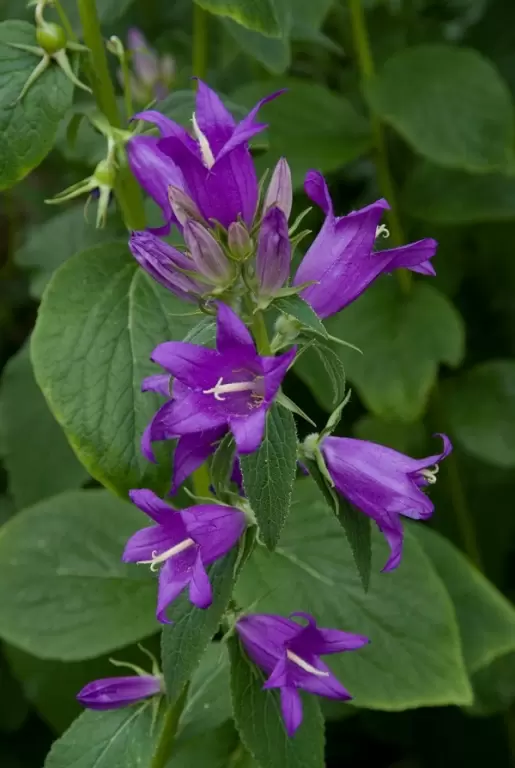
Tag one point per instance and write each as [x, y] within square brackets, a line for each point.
[231, 387]
[116, 692]
[383, 484]
[273, 256]
[341, 261]
[290, 652]
[167, 265]
[182, 542]
[152, 74]
[214, 166]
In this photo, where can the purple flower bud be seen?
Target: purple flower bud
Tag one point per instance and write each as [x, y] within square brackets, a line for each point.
[164, 263]
[239, 240]
[183, 206]
[279, 190]
[206, 253]
[115, 692]
[145, 59]
[273, 252]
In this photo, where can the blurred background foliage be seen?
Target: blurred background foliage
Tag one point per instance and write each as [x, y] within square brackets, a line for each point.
[441, 357]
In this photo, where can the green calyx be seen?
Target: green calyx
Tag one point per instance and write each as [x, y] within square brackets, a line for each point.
[51, 37]
[105, 174]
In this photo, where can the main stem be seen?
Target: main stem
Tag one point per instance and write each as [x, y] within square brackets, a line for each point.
[127, 191]
[199, 63]
[169, 730]
[386, 185]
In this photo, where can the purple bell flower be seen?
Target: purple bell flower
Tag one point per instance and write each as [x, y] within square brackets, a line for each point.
[152, 74]
[273, 252]
[116, 692]
[383, 484]
[230, 387]
[215, 168]
[184, 542]
[290, 652]
[341, 261]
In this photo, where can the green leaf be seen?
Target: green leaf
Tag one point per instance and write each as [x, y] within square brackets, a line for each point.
[220, 748]
[28, 128]
[209, 695]
[222, 465]
[69, 233]
[494, 686]
[65, 551]
[406, 438]
[309, 125]
[38, 459]
[203, 333]
[269, 474]
[480, 405]
[119, 738]
[258, 719]
[273, 52]
[321, 368]
[485, 618]
[259, 15]
[446, 196]
[98, 323]
[403, 338]
[312, 570]
[450, 104]
[184, 643]
[301, 311]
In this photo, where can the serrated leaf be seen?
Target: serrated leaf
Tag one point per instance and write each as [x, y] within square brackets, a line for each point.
[27, 128]
[258, 15]
[66, 551]
[203, 333]
[184, 643]
[258, 719]
[98, 323]
[301, 311]
[321, 368]
[209, 695]
[450, 104]
[269, 474]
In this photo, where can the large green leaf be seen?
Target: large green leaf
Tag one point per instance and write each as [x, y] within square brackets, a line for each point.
[209, 696]
[259, 15]
[61, 572]
[403, 338]
[69, 232]
[273, 52]
[450, 104]
[258, 718]
[28, 128]
[414, 658]
[269, 474]
[99, 321]
[321, 368]
[481, 409]
[310, 125]
[38, 459]
[447, 196]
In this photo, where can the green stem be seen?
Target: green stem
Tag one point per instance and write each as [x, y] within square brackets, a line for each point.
[63, 18]
[199, 42]
[127, 191]
[384, 176]
[169, 730]
[260, 333]
[127, 92]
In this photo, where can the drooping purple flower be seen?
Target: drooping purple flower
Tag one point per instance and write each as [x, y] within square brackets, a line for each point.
[383, 484]
[152, 74]
[230, 387]
[341, 261]
[184, 541]
[116, 692]
[273, 256]
[280, 191]
[215, 168]
[290, 652]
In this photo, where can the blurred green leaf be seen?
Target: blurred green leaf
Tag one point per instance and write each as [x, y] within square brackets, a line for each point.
[406, 438]
[449, 104]
[14, 707]
[27, 128]
[61, 572]
[100, 319]
[321, 368]
[313, 570]
[404, 339]
[481, 409]
[38, 459]
[456, 197]
[215, 749]
[273, 52]
[310, 125]
[494, 686]
[259, 15]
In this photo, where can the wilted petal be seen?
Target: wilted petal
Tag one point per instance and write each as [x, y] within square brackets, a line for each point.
[200, 591]
[115, 692]
[273, 252]
[248, 430]
[215, 527]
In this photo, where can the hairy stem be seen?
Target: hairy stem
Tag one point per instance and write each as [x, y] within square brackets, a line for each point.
[199, 42]
[168, 731]
[260, 333]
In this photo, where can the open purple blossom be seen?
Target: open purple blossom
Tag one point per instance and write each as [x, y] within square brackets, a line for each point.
[116, 692]
[341, 261]
[230, 387]
[213, 167]
[182, 543]
[152, 75]
[383, 484]
[290, 652]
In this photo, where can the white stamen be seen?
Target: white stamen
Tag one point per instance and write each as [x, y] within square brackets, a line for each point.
[304, 665]
[205, 150]
[236, 386]
[430, 474]
[175, 550]
[383, 230]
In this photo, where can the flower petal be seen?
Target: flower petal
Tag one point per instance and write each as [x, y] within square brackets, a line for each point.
[291, 709]
[152, 505]
[328, 686]
[155, 430]
[164, 263]
[394, 536]
[193, 413]
[144, 544]
[248, 430]
[265, 636]
[189, 363]
[159, 383]
[200, 591]
[414, 256]
[274, 369]
[247, 128]
[114, 692]
[315, 640]
[191, 452]
[232, 335]
[174, 576]
[216, 528]
[317, 190]
[213, 118]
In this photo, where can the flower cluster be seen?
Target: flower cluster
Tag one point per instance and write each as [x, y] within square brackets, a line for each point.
[236, 261]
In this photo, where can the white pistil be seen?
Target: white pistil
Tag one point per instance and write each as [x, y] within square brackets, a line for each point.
[383, 230]
[430, 474]
[236, 386]
[205, 150]
[305, 666]
[175, 550]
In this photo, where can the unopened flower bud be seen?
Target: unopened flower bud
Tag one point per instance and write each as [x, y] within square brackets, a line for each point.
[183, 207]
[287, 327]
[239, 240]
[279, 190]
[206, 253]
[105, 174]
[273, 252]
[51, 37]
